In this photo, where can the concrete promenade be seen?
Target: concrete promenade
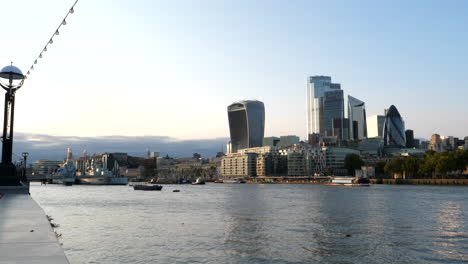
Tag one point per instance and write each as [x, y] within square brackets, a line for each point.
[25, 233]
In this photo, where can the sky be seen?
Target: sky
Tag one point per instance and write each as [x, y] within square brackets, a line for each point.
[170, 68]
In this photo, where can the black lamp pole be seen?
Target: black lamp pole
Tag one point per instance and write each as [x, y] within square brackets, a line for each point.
[8, 173]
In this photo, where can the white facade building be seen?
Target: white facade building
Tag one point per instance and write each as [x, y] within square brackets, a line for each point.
[375, 126]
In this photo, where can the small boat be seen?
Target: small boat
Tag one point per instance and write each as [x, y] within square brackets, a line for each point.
[147, 187]
[234, 180]
[198, 181]
[349, 181]
[175, 190]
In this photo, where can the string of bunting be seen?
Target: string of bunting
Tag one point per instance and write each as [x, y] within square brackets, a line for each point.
[51, 40]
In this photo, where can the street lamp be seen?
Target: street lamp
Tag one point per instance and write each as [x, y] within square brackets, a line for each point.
[15, 80]
[25, 159]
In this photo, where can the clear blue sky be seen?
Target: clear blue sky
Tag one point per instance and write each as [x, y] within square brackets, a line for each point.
[170, 68]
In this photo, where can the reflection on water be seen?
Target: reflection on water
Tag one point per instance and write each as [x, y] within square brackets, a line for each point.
[451, 237]
[243, 223]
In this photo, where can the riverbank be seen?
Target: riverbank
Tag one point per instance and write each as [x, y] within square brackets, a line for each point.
[288, 180]
[421, 181]
[26, 234]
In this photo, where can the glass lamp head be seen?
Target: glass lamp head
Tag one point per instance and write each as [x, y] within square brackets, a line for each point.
[13, 75]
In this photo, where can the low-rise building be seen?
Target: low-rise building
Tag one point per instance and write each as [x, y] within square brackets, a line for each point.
[239, 165]
[45, 166]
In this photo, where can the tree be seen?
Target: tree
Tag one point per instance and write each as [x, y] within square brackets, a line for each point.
[410, 166]
[379, 166]
[196, 156]
[429, 163]
[353, 162]
[394, 166]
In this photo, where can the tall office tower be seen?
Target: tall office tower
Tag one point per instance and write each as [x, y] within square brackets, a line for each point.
[246, 124]
[435, 143]
[333, 109]
[394, 129]
[341, 128]
[375, 126]
[317, 86]
[357, 112]
[410, 138]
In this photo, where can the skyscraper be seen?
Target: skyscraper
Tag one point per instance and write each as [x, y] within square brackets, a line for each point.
[341, 128]
[435, 143]
[333, 109]
[357, 113]
[246, 124]
[322, 108]
[394, 129]
[375, 125]
[410, 138]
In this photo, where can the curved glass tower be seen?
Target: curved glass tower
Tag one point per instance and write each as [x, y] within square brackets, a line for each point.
[357, 118]
[394, 129]
[246, 124]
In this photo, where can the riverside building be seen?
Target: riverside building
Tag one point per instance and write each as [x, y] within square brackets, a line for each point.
[282, 141]
[253, 162]
[246, 124]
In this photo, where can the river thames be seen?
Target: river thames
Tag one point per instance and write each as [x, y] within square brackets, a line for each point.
[254, 223]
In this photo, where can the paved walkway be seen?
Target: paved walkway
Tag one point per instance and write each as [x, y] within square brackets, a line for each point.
[25, 233]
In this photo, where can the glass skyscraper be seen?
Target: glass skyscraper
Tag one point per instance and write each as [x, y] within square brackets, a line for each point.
[324, 103]
[246, 124]
[357, 113]
[394, 129]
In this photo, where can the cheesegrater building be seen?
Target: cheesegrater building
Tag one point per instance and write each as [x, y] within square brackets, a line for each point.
[246, 124]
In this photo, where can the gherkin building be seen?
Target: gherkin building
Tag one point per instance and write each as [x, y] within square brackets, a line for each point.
[394, 129]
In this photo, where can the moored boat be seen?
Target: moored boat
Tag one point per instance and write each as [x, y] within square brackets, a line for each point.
[147, 187]
[348, 181]
[198, 181]
[234, 180]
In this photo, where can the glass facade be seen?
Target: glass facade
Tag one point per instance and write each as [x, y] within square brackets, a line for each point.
[317, 86]
[357, 112]
[394, 129]
[333, 109]
[246, 124]
[341, 128]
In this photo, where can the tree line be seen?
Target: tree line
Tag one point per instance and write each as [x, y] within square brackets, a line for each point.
[433, 165]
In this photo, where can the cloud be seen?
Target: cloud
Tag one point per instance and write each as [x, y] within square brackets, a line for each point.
[42, 146]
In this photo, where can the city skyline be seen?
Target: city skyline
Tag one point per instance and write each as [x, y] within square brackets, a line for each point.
[188, 51]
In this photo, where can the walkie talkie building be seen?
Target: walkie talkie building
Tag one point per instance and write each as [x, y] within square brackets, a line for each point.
[246, 124]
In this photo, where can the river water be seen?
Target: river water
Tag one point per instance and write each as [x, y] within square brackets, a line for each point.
[253, 223]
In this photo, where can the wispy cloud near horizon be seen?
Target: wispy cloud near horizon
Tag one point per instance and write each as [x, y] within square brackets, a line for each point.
[43, 146]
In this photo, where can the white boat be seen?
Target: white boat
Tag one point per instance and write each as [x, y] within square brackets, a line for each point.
[234, 180]
[348, 181]
[198, 181]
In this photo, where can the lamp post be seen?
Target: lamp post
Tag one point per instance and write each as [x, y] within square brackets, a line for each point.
[15, 78]
[25, 159]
